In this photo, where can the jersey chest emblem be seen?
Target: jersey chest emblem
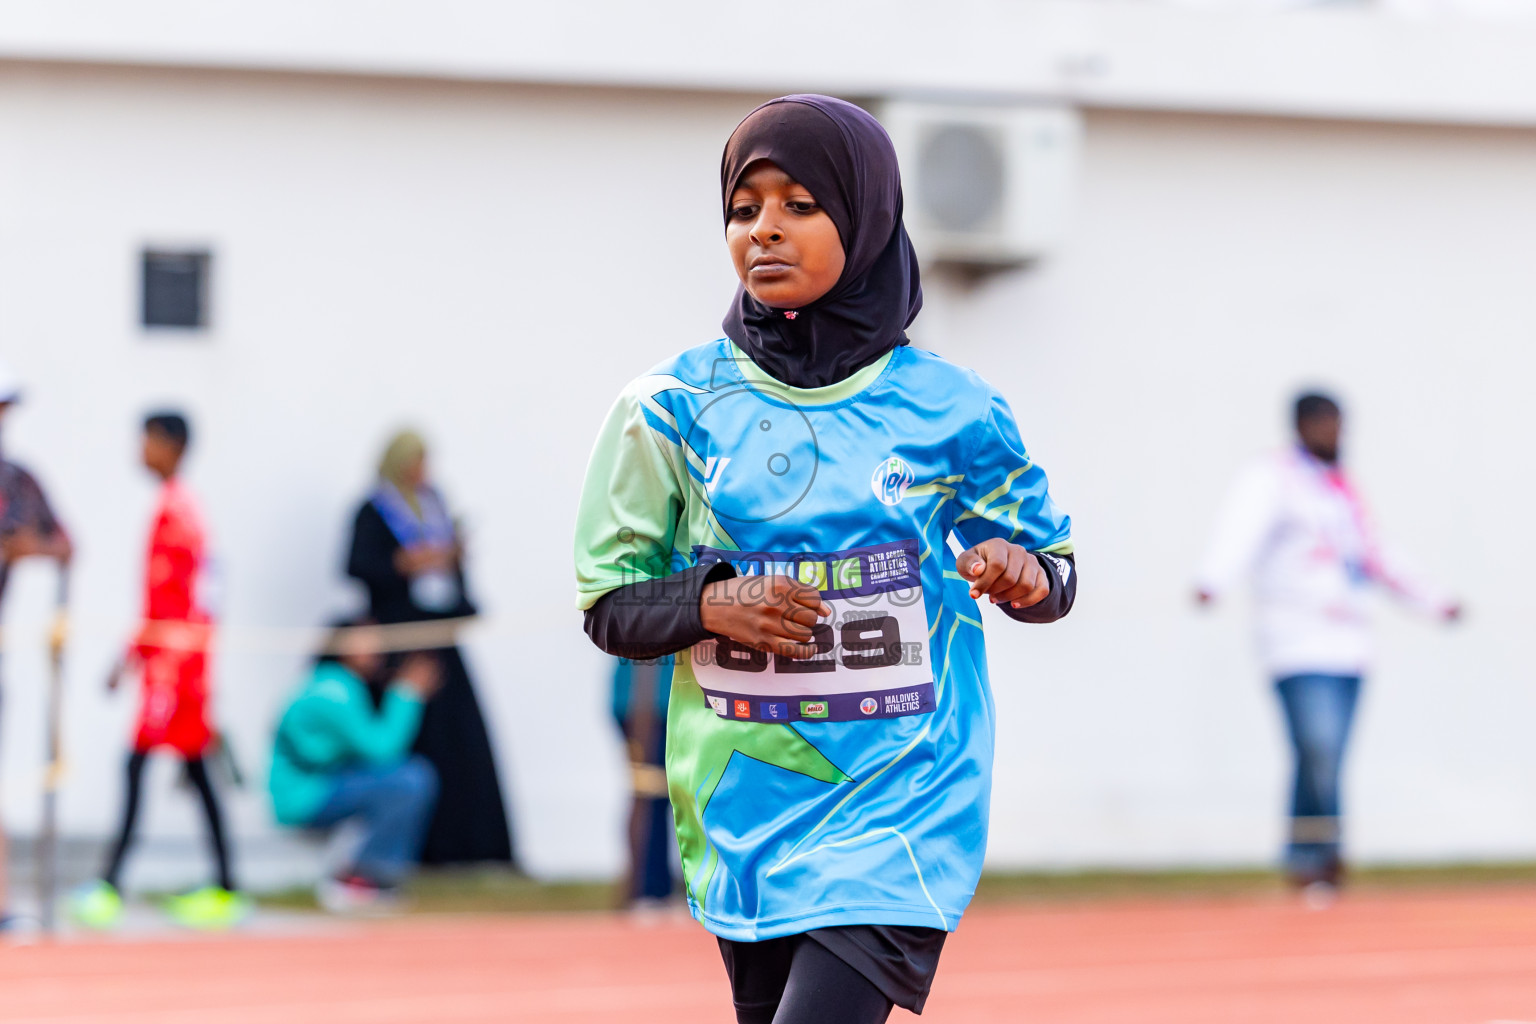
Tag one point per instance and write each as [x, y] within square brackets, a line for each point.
[891, 479]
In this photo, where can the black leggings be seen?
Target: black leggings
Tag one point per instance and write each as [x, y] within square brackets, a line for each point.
[197, 771]
[797, 980]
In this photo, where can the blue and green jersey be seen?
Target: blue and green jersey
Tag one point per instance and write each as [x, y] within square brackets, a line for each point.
[852, 787]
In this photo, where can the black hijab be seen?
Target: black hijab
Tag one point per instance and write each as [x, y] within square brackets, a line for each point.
[844, 157]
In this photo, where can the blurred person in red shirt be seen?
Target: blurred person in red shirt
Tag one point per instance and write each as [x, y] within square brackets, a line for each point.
[28, 528]
[171, 654]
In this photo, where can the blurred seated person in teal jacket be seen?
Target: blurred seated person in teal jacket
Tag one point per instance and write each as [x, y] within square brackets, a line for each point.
[339, 756]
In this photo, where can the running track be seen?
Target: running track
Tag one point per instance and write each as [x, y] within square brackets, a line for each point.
[1437, 958]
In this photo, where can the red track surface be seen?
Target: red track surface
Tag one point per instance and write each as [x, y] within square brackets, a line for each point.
[1466, 956]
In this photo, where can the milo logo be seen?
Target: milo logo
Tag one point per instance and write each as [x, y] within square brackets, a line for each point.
[813, 709]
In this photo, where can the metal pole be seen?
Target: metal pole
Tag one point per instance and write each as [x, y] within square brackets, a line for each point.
[48, 838]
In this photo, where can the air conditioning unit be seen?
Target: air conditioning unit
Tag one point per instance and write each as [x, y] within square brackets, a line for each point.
[985, 185]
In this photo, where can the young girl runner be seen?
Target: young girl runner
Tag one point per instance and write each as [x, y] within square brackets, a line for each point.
[778, 506]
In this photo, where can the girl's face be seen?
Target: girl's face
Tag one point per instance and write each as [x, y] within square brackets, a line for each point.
[783, 244]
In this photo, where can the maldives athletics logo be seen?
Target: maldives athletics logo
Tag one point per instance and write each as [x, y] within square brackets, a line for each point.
[869, 705]
[891, 479]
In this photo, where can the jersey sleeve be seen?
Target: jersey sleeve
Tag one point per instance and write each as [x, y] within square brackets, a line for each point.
[1005, 494]
[631, 501]
[334, 723]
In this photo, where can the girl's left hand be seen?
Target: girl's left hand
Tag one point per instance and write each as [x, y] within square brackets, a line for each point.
[1004, 572]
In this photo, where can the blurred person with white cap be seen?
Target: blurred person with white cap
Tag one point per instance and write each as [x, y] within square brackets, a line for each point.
[1295, 526]
[28, 528]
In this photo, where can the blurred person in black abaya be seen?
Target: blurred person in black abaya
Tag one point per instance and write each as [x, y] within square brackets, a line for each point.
[407, 551]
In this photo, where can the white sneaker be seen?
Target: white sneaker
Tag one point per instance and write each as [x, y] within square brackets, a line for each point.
[355, 896]
[1319, 895]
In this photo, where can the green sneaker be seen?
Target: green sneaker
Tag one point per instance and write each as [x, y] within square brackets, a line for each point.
[209, 909]
[96, 905]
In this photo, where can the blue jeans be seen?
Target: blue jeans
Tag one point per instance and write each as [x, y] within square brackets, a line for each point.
[1319, 710]
[395, 803]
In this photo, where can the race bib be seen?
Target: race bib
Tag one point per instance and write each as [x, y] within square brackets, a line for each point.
[872, 656]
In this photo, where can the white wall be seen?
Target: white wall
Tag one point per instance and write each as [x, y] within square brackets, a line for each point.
[468, 258]
[1218, 265]
[1414, 60]
[493, 262]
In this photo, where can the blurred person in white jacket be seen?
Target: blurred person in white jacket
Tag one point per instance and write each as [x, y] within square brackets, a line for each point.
[1294, 525]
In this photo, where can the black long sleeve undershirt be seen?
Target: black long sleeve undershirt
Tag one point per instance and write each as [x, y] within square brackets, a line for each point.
[655, 618]
[1062, 570]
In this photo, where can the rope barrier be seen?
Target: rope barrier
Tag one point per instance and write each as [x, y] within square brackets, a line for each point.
[386, 638]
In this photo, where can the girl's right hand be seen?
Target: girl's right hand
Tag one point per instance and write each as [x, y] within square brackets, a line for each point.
[767, 613]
